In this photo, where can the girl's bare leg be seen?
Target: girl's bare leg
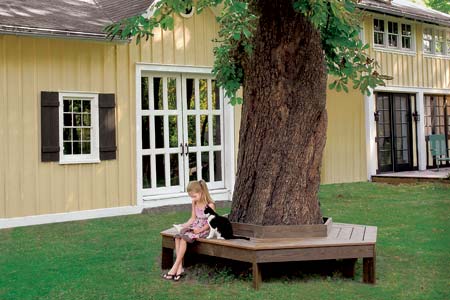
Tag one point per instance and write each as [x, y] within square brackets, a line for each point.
[177, 267]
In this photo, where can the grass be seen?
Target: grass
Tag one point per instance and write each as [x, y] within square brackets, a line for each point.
[119, 258]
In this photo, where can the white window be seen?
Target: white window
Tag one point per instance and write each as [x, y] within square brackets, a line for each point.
[436, 41]
[78, 128]
[396, 35]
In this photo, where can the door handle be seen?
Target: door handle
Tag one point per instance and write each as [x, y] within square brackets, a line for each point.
[187, 148]
[182, 148]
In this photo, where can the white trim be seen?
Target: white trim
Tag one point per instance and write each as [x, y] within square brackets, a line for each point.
[421, 145]
[412, 90]
[371, 131]
[70, 216]
[399, 49]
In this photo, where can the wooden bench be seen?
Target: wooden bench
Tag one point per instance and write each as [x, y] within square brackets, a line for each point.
[345, 241]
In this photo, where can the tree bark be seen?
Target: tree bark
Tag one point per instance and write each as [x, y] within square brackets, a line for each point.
[284, 121]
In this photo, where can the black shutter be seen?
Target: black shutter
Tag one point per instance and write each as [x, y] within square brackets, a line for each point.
[107, 126]
[49, 126]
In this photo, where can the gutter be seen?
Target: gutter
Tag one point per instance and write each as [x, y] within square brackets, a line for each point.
[44, 32]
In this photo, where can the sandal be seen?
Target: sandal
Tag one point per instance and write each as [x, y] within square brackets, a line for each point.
[168, 276]
[177, 277]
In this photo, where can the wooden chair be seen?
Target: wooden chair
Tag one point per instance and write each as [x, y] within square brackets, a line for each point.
[439, 148]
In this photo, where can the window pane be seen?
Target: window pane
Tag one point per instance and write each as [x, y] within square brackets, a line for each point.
[160, 171]
[217, 166]
[190, 93]
[392, 27]
[86, 106]
[392, 40]
[173, 132]
[86, 148]
[193, 166]
[427, 46]
[174, 170]
[204, 136]
[205, 166]
[86, 134]
[67, 119]
[406, 42]
[203, 93]
[67, 148]
[77, 119]
[67, 134]
[86, 120]
[77, 105]
[144, 93]
[146, 172]
[159, 132]
[67, 105]
[215, 94]
[145, 132]
[379, 38]
[76, 148]
[157, 93]
[216, 130]
[406, 29]
[76, 134]
[172, 93]
[192, 137]
[378, 25]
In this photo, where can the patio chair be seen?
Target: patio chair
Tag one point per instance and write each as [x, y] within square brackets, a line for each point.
[439, 148]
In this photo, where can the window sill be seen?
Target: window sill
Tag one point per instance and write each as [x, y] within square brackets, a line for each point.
[396, 50]
[79, 161]
[431, 55]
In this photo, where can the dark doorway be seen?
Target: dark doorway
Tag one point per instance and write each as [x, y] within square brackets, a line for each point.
[394, 132]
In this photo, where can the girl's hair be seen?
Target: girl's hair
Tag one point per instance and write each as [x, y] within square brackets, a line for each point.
[200, 187]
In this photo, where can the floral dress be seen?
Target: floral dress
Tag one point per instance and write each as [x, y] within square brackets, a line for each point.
[201, 220]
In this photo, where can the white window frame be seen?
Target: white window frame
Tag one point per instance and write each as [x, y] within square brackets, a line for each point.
[434, 29]
[94, 157]
[399, 48]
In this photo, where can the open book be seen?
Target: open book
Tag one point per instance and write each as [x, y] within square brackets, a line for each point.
[178, 227]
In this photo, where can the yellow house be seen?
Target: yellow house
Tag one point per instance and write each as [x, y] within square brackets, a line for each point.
[94, 128]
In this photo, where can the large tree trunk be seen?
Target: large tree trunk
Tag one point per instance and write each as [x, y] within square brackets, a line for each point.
[284, 121]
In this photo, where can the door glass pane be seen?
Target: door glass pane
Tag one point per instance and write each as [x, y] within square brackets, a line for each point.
[146, 179]
[173, 132]
[159, 132]
[158, 93]
[193, 166]
[174, 169]
[192, 137]
[172, 93]
[203, 93]
[190, 94]
[160, 171]
[144, 93]
[217, 166]
[215, 95]
[204, 137]
[216, 130]
[145, 132]
[205, 166]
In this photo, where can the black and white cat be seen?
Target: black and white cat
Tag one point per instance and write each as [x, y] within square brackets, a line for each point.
[220, 226]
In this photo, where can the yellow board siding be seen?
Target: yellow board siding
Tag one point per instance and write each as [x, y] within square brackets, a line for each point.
[29, 65]
[410, 69]
[344, 157]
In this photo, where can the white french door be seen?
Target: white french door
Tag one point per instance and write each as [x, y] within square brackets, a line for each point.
[181, 121]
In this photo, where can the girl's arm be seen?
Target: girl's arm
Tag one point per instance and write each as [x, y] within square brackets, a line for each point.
[192, 219]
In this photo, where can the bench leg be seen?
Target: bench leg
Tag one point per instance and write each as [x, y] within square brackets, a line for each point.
[257, 279]
[369, 270]
[348, 268]
[166, 258]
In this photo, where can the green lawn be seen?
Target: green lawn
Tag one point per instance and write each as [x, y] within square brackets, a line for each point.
[118, 258]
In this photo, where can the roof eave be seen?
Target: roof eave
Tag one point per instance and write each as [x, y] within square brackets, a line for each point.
[46, 32]
[403, 14]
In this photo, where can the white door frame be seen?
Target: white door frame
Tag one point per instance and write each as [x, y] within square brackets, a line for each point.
[229, 142]
[371, 147]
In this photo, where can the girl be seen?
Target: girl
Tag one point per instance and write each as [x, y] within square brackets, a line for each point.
[196, 227]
